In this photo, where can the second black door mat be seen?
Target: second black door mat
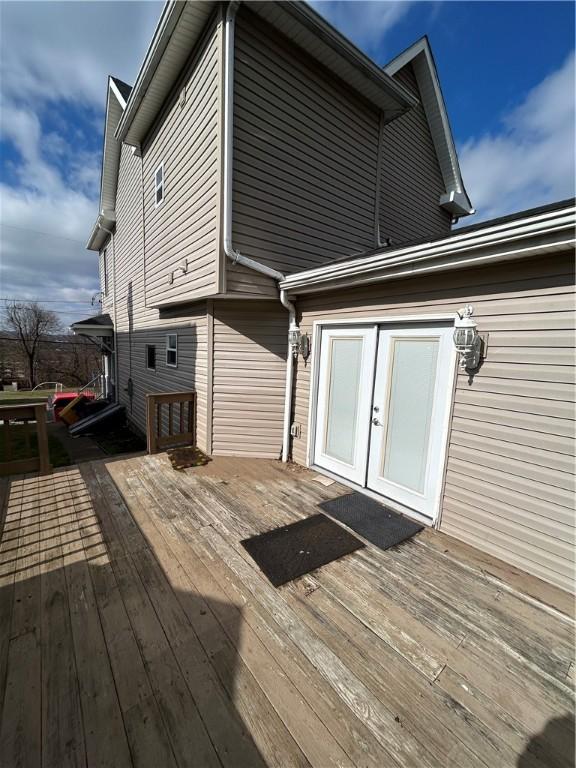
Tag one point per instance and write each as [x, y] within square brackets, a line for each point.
[371, 520]
[293, 550]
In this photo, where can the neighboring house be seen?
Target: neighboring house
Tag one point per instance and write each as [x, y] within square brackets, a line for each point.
[262, 177]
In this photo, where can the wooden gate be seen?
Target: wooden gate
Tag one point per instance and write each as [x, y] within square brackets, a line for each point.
[161, 424]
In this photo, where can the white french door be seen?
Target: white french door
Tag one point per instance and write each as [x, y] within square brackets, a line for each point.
[344, 400]
[384, 394]
[409, 412]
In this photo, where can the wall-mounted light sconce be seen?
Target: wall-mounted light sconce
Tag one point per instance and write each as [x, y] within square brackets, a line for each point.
[466, 339]
[305, 346]
[294, 340]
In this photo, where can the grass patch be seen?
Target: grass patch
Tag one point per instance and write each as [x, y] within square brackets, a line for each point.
[58, 454]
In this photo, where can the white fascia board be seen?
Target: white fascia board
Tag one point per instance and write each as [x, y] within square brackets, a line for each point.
[449, 263]
[457, 203]
[514, 239]
[310, 31]
[115, 104]
[92, 244]
[105, 221]
[116, 92]
[456, 200]
[181, 26]
[149, 70]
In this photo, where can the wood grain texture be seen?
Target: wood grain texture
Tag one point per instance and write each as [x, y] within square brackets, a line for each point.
[148, 637]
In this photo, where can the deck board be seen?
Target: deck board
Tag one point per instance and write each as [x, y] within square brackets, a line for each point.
[136, 630]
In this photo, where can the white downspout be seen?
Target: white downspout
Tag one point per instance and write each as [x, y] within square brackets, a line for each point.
[292, 353]
[235, 256]
[106, 365]
[106, 387]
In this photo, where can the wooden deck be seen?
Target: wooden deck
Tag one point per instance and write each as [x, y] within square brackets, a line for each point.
[136, 631]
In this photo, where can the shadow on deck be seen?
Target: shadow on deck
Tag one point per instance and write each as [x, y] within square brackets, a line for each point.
[136, 631]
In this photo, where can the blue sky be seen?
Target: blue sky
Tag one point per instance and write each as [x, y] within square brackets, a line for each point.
[506, 68]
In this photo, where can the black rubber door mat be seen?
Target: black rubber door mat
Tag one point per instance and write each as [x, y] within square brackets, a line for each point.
[371, 520]
[293, 550]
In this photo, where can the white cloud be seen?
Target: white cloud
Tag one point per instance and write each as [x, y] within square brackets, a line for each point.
[365, 22]
[55, 58]
[55, 51]
[531, 160]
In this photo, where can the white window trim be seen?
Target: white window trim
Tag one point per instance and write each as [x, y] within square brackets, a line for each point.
[148, 368]
[171, 349]
[157, 186]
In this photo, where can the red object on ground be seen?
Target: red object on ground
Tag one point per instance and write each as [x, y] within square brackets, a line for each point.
[61, 399]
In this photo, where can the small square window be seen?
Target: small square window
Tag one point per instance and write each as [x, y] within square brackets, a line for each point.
[159, 185]
[172, 350]
[150, 357]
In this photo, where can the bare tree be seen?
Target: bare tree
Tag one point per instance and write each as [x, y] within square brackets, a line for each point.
[76, 362]
[31, 324]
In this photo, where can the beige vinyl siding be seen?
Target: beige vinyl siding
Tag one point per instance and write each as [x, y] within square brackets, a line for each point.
[412, 182]
[509, 486]
[250, 342]
[242, 280]
[185, 227]
[137, 325]
[305, 156]
[190, 373]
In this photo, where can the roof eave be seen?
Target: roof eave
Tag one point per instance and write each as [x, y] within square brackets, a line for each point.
[522, 238]
[162, 36]
[309, 19]
[457, 203]
[103, 227]
[295, 19]
[455, 199]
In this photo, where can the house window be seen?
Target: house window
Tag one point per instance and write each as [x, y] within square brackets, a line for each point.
[159, 185]
[105, 271]
[172, 350]
[150, 357]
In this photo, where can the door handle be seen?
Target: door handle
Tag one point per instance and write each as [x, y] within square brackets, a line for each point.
[376, 422]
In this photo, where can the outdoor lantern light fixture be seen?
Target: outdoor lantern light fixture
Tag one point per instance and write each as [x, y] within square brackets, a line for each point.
[294, 340]
[466, 339]
[305, 346]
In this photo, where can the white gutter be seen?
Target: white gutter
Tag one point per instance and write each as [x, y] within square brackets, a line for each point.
[497, 243]
[291, 356]
[235, 256]
[104, 220]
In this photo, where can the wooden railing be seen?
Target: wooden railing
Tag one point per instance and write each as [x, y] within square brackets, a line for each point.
[160, 429]
[18, 436]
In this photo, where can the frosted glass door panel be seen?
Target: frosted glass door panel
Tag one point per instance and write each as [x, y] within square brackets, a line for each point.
[412, 394]
[343, 397]
[344, 391]
[412, 385]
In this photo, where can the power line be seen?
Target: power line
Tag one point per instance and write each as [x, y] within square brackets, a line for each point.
[45, 341]
[39, 232]
[79, 312]
[48, 301]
